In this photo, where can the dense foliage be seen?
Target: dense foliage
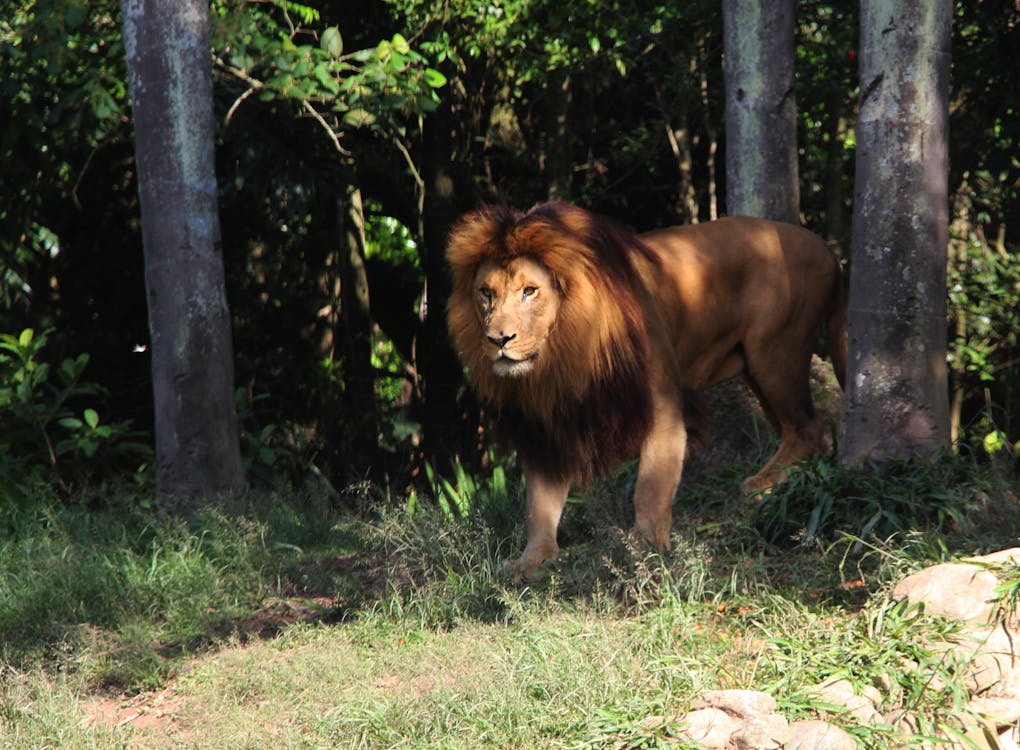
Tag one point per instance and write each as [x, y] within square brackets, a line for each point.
[351, 134]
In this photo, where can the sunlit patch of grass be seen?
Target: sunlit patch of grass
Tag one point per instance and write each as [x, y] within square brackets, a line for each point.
[424, 641]
[124, 593]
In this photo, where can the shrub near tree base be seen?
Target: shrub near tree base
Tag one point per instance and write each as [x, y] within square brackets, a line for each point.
[823, 502]
[50, 429]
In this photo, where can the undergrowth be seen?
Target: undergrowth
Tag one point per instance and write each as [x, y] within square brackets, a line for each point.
[778, 597]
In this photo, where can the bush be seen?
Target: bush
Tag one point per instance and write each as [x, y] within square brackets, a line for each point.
[50, 428]
[822, 501]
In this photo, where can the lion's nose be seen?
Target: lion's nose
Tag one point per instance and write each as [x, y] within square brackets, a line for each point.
[502, 340]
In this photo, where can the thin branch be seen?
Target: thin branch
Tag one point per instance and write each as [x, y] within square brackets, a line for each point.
[326, 126]
[254, 84]
[237, 103]
[410, 163]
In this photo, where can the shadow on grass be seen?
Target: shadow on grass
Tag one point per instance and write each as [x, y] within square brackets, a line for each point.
[128, 597]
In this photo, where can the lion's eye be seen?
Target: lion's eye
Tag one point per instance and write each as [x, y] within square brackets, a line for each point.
[529, 291]
[485, 293]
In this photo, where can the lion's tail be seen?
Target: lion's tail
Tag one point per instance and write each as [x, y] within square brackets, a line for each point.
[836, 329]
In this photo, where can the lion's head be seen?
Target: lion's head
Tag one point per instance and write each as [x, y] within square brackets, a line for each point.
[546, 316]
[518, 302]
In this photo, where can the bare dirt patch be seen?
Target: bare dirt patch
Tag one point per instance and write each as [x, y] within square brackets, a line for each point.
[153, 711]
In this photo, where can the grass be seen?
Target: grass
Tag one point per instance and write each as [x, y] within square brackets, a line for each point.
[282, 621]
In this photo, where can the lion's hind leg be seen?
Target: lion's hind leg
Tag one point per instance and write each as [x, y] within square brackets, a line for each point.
[787, 403]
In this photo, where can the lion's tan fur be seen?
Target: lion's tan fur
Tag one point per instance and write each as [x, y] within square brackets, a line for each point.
[640, 320]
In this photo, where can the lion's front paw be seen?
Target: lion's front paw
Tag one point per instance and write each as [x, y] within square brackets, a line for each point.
[758, 487]
[533, 565]
[655, 535]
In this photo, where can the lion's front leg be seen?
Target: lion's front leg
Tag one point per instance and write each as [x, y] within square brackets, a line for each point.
[662, 462]
[545, 499]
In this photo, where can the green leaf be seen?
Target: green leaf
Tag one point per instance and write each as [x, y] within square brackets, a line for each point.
[400, 44]
[426, 104]
[332, 42]
[91, 418]
[434, 78]
[325, 80]
[359, 118]
[26, 337]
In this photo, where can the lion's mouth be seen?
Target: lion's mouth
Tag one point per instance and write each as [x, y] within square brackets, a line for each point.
[510, 367]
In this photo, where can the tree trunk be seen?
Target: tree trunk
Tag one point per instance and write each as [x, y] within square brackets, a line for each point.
[169, 66]
[445, 429]
[559, 163]
[897, 394]
[357, 319]
[687, 198]
[761, 109]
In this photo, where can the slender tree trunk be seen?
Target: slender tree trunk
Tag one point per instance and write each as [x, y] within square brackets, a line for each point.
[897, 396]
[687, 199]
[169, 65]
[559, 159]
[445, 430]
[761, 110]
[711, 132]
[357, 317]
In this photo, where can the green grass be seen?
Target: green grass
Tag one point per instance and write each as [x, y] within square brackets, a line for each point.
[280, 621]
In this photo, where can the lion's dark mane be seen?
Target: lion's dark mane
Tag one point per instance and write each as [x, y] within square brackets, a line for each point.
[584, 410]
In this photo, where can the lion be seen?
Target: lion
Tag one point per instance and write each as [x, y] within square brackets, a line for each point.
[586, 342]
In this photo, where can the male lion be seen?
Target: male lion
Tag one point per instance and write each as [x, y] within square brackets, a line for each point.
[583, 340]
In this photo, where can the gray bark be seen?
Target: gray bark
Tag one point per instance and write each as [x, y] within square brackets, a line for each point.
[169, 68]
[897, 394]
[761, 109]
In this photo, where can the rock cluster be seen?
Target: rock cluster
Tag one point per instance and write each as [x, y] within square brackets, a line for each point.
[985, 647]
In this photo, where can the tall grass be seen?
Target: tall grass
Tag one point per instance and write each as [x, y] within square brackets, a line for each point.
[121, 591]
[437, 647]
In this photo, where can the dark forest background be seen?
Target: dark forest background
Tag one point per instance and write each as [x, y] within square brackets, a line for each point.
[350, 136]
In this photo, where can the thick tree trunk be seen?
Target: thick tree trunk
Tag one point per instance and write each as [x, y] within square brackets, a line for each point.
[169, 65]
[897, 395]
[761, 109]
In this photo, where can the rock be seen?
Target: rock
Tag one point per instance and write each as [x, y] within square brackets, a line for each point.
[709, 727]
[762, 732]
[1008, 739]
[989, 659]
[862, 705]
[981, 657]
[1002, 557]
[1001, 711]
[743, 704]
[961, 590]
[819, 735]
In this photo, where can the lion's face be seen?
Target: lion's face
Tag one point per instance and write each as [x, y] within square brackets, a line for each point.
[517, 304]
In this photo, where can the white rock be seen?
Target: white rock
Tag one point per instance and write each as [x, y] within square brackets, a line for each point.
[960, 590]
[861, 704]
[819, 735]
[741, 703]
[709, 727]
[1008, 739]
[762, 732]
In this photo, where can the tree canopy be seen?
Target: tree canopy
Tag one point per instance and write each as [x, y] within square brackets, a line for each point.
[349, 136]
